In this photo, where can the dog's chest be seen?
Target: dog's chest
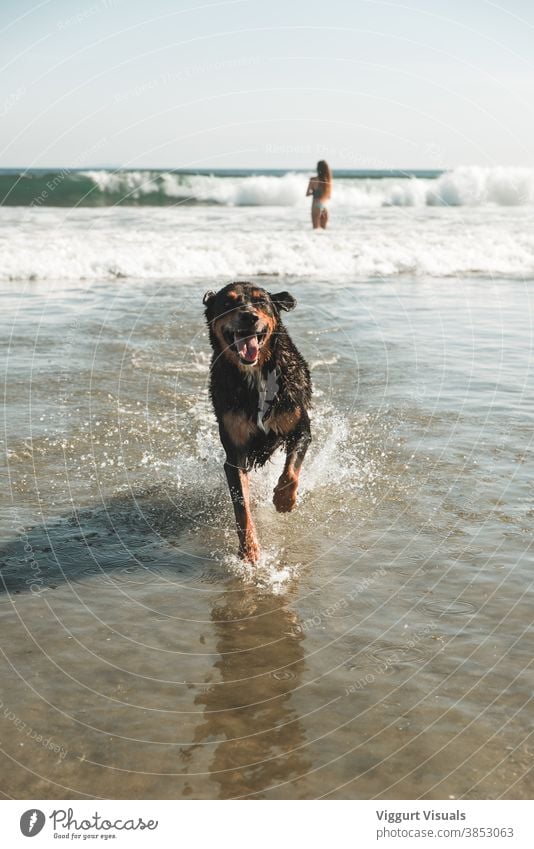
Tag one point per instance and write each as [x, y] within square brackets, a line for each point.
[266, 387]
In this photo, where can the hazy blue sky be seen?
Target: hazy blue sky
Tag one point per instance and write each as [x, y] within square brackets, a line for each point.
[366, 83]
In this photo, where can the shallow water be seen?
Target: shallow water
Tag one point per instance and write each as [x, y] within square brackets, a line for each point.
[383, 646]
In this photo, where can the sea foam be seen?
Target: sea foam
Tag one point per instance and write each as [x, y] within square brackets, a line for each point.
[195, 242]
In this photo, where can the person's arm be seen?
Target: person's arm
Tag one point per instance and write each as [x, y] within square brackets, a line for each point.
[310, 187]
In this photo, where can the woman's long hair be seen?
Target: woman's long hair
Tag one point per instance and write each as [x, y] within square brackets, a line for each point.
[324, 175]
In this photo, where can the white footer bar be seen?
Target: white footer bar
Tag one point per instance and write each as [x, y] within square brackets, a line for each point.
[269, 824]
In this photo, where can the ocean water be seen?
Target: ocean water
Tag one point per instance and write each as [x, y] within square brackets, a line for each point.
[382, 648]
[464, 222]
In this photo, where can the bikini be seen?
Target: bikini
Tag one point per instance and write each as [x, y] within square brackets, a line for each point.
[317, 201]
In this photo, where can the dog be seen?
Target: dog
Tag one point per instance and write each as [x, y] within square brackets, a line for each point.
[260, 387]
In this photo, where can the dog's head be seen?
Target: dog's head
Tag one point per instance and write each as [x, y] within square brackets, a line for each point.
[243, 320]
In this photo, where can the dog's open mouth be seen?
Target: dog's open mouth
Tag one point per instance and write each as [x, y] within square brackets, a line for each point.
[248, 347]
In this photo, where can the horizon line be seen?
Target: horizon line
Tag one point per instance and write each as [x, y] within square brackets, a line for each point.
[186, 170]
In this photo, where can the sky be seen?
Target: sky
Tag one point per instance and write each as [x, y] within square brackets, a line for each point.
[266, 83]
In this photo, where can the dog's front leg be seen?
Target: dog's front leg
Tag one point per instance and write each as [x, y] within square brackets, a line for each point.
[285, 492]
[237, 478]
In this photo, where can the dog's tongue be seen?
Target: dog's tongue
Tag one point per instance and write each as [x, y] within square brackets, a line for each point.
[248, 348]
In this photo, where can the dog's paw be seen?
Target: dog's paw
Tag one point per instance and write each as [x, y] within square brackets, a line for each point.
[250, 551]
[285, 494]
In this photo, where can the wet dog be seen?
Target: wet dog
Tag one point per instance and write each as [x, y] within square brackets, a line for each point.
[261, 390]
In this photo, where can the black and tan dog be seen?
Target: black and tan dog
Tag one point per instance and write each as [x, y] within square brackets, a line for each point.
[261, 389]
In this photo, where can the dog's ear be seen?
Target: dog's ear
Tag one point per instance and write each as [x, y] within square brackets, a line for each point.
[284, 301]
[208, 297]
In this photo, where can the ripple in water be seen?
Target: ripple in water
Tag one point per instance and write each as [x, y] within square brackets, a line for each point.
[394, 656]
[451, 608]
[283, 675]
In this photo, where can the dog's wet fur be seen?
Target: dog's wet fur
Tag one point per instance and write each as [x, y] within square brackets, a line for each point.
[260, 387]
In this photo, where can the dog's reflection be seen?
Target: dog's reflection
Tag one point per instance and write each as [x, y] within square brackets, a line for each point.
[249, 714]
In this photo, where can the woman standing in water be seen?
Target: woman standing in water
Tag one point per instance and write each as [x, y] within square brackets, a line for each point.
[321, 189]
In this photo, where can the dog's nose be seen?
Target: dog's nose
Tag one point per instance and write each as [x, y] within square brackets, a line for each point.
[249, 317]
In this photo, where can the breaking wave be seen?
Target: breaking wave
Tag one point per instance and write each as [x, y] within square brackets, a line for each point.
[465, 186]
